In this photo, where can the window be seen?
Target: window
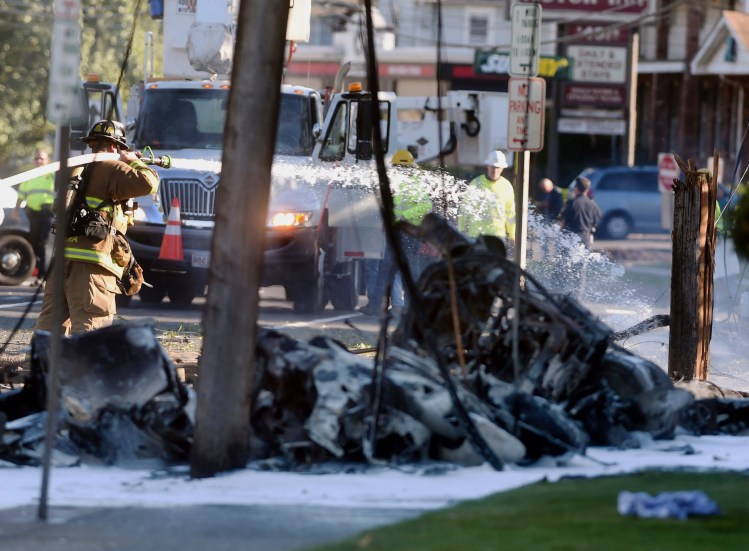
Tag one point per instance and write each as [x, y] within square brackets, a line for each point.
[478, 24]
[637, 182]
[335, 140]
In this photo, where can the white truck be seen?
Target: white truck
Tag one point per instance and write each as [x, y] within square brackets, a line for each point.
[320, 226]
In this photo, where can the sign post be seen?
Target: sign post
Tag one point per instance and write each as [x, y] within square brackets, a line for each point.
[526, 108]
[64, 86]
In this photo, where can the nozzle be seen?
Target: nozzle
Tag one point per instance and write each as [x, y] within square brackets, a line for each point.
[165, 161]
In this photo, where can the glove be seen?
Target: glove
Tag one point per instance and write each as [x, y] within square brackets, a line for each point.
[121, 253]
[132, 280]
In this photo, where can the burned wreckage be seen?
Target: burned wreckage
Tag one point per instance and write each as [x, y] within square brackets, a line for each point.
[532, 375]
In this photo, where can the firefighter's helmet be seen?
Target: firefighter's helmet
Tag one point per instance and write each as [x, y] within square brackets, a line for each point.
[403, 157]
[108, 130]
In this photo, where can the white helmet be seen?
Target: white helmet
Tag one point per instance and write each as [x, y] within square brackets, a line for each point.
[497, 159]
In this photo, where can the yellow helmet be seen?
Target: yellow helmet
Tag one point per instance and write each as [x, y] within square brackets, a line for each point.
[403, 157]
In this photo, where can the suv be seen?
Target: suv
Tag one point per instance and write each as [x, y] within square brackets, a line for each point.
[629, 199]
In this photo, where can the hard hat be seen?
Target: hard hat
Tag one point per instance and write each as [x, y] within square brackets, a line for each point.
[108, 130]
[403, 157]
[496, 159]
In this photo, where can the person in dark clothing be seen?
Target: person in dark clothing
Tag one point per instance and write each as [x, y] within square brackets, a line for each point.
[581, 214]
[551, 201]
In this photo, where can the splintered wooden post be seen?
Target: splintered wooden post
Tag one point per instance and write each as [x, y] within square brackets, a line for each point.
[692, 273]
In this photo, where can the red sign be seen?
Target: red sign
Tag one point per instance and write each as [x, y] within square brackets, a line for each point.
[525, 120]
[597, 33]
[610, 7]
[613, 96]
[668, 171]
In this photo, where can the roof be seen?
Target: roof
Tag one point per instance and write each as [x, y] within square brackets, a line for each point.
[725, 50]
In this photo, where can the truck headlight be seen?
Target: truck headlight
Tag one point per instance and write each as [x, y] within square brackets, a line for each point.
[288, 219]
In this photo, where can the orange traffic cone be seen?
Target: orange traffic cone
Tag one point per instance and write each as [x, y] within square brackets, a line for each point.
[171, 245]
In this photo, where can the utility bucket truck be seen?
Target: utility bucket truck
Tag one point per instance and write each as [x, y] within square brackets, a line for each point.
[321, 223]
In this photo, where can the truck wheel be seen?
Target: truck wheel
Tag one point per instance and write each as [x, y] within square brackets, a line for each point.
[17, 259]
[307, 293]
[342, 286]
[181, 294]
[152, 295]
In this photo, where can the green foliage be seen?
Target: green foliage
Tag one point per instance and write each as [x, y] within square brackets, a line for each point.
[574, 515]
[25, 38]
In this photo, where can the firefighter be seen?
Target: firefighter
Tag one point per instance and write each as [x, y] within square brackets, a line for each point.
[96, 252]
[36, 197]
[488, 207]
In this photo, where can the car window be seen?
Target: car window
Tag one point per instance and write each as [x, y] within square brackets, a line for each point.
[629, 182]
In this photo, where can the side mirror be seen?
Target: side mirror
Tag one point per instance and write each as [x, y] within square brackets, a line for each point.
[75, 140]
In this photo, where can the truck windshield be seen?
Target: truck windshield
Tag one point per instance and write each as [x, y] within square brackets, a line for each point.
[194, 119]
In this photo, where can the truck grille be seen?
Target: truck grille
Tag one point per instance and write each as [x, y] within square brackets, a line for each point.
[196, 202]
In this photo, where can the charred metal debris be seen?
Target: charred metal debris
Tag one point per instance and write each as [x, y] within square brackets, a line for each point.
[562, 386]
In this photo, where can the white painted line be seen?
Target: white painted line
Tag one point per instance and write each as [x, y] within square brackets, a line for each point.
[316, 321]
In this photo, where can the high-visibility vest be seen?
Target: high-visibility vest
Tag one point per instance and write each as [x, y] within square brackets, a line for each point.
[412, 201]
[491, 212]
[37, 192]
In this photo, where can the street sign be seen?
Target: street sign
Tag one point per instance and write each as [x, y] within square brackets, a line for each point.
[598, 63]
[525, 120]
[63, 101]
[69, 10]
[668, 171]
[525, 40]
[64, 77]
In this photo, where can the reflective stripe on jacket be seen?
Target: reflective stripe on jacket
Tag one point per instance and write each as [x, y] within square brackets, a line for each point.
[37, 192]
[119, 182]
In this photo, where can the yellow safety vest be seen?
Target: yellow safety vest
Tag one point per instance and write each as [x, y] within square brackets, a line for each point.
[490, 213]
[37, 192]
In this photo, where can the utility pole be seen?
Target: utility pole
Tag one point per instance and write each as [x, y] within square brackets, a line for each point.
[692, 273]
[222, 429]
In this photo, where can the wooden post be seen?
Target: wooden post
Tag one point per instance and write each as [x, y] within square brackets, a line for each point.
[692, 273]
[222, 430]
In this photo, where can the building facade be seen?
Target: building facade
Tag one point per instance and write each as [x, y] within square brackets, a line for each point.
[642, 77]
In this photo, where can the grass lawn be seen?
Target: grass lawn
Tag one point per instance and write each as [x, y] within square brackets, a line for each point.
[574, 514]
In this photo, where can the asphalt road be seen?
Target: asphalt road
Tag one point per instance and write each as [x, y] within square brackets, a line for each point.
[276, 312]
[191, 528]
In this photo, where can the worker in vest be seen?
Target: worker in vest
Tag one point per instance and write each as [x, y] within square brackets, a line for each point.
[411, 201]
[488, 206]
[94, 263]
[36, 197]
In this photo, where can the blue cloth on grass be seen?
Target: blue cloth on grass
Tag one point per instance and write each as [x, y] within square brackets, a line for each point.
[666, 504]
